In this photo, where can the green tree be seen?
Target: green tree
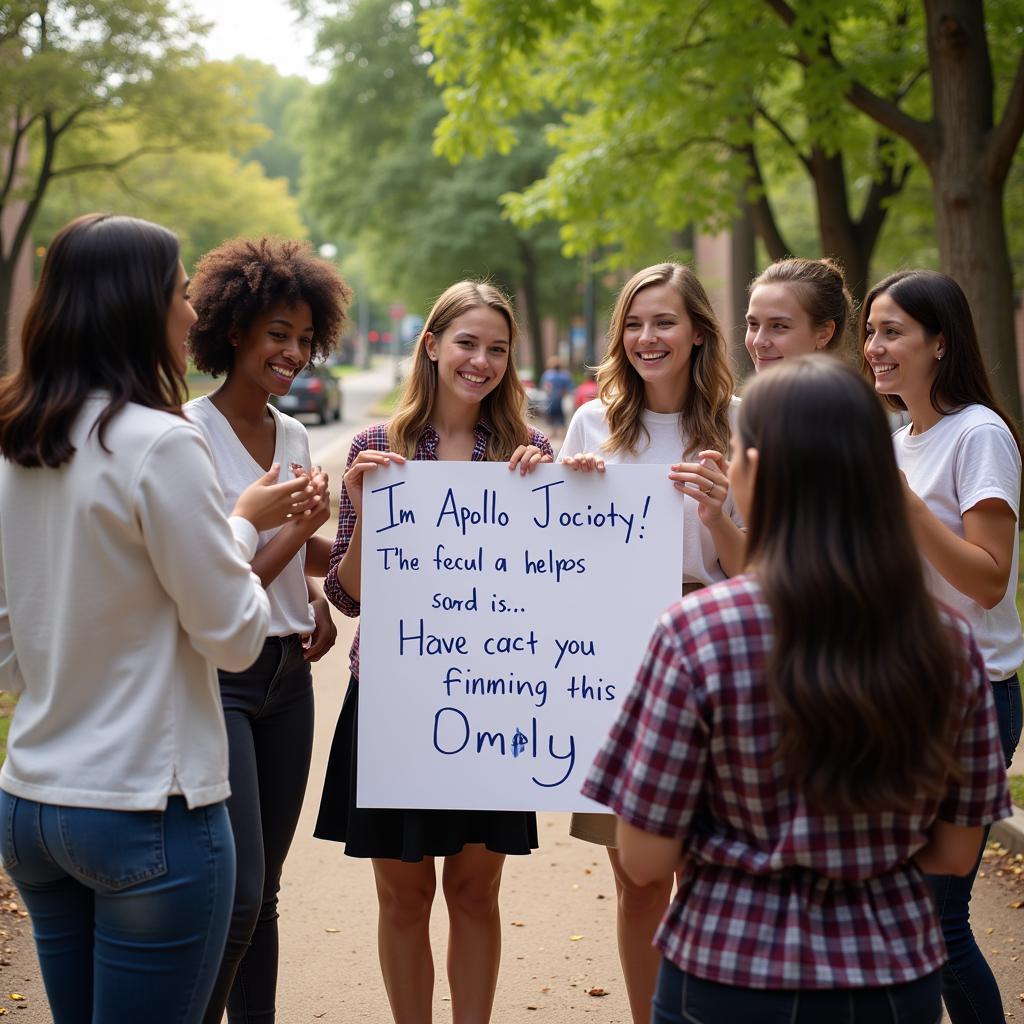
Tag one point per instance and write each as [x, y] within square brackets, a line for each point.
[682, 111]
[372, 179]
[76, 72]
[203, 197]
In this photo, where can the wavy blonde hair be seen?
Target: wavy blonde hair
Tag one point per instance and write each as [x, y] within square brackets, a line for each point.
[502, 408]
[704, 419]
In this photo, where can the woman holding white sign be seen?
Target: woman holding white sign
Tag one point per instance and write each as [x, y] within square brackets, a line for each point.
[462, 402]
[665, 397]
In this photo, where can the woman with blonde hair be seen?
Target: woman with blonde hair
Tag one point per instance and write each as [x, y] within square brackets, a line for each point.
[666, 392]
[462, 402]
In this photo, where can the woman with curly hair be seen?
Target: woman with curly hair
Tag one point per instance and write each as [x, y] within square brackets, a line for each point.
[665, 396]
[266, 308]
[462, 402]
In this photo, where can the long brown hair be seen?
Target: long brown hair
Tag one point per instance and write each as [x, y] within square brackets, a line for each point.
[861, 670]
[704, 419]
[97, 321]
[939, 305]
[502, 408]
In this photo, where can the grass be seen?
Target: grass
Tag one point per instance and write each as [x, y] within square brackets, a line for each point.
[7, 702]
[1017, 789]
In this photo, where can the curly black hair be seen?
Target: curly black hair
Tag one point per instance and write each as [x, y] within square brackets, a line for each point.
[238, 280]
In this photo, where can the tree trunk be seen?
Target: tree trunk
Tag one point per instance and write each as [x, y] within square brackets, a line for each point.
[8, 268]
[967, 193]
[840, 236]
[742, 271]
[973, 249]
[528, 286]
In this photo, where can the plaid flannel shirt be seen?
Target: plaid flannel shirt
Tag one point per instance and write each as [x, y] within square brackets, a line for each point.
[774, 895]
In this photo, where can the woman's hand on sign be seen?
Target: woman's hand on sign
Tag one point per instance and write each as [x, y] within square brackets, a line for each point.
[585, 462]
[527, 457]
[366, 462]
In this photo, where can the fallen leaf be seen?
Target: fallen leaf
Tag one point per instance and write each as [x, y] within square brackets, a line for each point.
[518, 924]
[332, 931]
[545, 988]
[531, 1007]
[17, 995]
[596, 992]
[989, 931]
[575, 938]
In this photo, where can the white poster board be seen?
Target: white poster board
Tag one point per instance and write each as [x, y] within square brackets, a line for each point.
[502, 622]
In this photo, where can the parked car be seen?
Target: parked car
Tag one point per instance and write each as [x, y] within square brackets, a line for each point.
[314, 391]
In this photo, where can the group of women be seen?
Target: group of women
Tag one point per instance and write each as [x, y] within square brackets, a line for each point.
[815, 743]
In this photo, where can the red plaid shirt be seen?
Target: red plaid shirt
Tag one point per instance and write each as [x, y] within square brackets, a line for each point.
[774, 895]
[375, 438]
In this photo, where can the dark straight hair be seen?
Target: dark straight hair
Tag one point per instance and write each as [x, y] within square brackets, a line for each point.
[939, 305]
[861, 670]
[97, 321]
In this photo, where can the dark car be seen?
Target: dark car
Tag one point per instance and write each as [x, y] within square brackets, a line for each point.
[315, 391]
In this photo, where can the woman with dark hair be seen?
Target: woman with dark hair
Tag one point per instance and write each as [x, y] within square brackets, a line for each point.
[462, 402]
[266, 308]
[804, 739]
[666, 393]
[122, 587]
[961, 459]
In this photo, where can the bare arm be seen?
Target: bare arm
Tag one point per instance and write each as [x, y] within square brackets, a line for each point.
[318, 556]
[977, 564]
[950, 850]
[645, 857]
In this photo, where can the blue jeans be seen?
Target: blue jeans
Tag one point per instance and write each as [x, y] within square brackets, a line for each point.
[685, 999]
[968, 986]
[129, 909]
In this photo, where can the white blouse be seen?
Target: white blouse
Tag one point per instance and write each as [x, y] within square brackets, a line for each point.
[121, 589]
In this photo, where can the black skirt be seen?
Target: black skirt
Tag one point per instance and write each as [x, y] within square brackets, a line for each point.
[408, 835]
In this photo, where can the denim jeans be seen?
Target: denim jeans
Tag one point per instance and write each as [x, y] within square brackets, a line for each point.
[268, 709]
[685, 999]
[968, 986]
[129, 909]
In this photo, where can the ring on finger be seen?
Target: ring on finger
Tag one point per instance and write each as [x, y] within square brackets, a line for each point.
[711, 487]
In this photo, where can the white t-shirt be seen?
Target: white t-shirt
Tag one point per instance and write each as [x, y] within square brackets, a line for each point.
[587, 433]
[121, 587]
[290, 611]
[966, 457]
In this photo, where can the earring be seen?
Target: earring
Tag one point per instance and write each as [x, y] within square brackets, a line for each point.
[939, 355]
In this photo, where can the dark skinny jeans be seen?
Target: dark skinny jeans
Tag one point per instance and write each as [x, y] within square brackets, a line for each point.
[269, 714]
[969, 988]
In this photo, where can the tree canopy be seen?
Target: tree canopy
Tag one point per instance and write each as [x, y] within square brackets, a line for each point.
[683, 111]
[94, 86]
[372, 180]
